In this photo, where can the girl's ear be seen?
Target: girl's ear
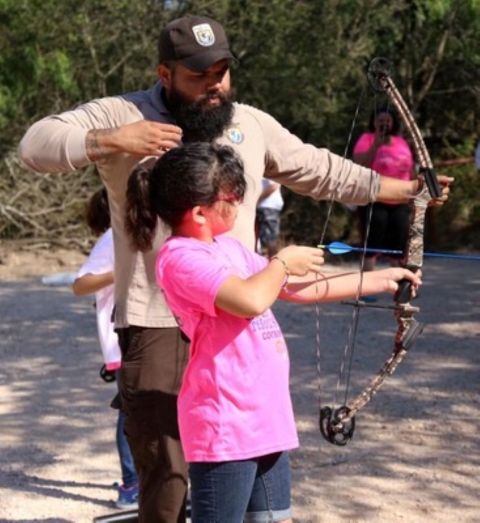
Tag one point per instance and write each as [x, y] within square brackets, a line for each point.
[198, 215]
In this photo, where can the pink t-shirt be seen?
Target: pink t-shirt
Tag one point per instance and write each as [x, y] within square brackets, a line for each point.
[235, 400]
[393, 160]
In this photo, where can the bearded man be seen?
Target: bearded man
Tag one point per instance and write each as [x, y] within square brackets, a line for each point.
[192, 101]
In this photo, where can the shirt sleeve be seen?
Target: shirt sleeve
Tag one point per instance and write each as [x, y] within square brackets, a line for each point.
[191, 278]
[311, 171]
[57, 143]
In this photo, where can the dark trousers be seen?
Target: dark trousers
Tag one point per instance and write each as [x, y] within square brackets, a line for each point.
[153, 363]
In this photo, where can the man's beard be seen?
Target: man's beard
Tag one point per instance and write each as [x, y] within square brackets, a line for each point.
[199, 121]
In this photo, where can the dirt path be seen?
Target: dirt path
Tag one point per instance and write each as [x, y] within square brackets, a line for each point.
[415, 455]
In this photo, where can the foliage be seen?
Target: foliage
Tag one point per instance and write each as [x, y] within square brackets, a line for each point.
[45, 208]
[303, 61]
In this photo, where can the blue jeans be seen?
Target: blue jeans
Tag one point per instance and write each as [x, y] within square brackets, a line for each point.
[129, 473]
[254, 491]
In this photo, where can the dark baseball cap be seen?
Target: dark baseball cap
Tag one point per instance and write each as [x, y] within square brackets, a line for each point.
[197, 42]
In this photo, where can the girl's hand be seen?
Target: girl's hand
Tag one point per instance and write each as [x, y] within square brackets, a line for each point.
[391, 277]
[302, 260]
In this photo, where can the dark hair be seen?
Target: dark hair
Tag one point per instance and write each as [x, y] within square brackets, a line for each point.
[184, 177]
[386, 108]
[98, 212]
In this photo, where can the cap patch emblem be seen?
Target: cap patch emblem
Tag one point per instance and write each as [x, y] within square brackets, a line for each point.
[204, 34]
[235, 135]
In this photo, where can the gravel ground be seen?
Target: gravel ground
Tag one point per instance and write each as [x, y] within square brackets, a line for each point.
[415, 455]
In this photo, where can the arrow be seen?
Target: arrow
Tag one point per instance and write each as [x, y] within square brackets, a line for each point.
[344, 248]
[338, 248]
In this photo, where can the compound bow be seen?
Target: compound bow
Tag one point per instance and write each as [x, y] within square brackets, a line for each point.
[337, 425]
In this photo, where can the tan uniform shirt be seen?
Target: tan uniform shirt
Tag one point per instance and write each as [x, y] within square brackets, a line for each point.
[57, 144]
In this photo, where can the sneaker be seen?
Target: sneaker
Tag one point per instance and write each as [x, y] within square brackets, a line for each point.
[127, 497]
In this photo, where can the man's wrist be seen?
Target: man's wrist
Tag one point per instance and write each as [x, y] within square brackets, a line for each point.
[98, 143]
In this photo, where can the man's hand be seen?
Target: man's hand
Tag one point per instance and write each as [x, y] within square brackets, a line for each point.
[141, 138]
[403, 191]
[444, 182]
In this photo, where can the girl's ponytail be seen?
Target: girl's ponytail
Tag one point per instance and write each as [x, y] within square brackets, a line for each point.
[140, 219]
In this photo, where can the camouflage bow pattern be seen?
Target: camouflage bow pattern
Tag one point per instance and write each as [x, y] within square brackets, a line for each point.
[337, 425]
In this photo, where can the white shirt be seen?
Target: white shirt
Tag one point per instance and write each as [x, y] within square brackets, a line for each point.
[274, 200]
[102, 260]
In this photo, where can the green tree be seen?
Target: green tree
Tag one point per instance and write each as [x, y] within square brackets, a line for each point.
[303, 61]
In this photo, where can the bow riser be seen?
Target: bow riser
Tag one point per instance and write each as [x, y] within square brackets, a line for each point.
[414, 256]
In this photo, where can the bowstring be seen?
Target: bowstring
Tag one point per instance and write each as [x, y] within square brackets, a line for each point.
[322, 242]
[354, 322]
[348, 349]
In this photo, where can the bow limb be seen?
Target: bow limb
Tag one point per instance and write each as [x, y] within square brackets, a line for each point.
[337, 426]
[408, 330]
[379, 76]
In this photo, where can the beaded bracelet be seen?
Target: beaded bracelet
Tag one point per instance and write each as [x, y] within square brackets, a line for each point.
[287, 271]
[283, 262]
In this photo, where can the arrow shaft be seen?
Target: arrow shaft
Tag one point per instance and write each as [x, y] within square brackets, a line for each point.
[338, 248]
[452, 256]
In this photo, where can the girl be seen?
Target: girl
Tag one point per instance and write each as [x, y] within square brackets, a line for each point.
[96, 276]
[235, 412]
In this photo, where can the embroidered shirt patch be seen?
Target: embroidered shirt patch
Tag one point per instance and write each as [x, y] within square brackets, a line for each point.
[235, 135]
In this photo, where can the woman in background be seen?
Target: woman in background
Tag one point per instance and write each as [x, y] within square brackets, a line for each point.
[382, 149]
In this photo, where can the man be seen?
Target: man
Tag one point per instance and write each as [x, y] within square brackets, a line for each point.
[191, 101]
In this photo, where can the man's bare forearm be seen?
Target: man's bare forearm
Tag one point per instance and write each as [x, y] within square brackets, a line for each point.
[396, 190]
